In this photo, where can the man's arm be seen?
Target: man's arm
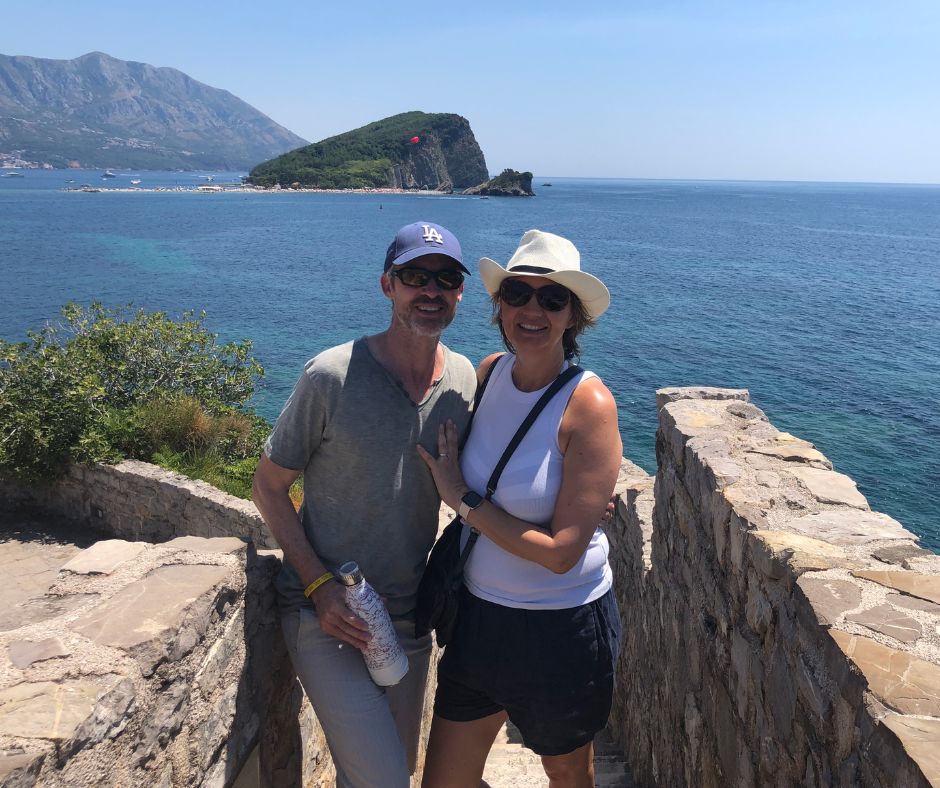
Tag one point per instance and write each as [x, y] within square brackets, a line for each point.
[270, 492]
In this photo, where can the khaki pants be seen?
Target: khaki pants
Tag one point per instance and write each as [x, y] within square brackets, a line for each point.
[372, 731]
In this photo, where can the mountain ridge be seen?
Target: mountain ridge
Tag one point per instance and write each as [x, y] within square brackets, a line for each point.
[98, 111]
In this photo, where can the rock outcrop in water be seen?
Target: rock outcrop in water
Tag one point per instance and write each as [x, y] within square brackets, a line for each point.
[414, 150]
[508, 183]
[99, 111]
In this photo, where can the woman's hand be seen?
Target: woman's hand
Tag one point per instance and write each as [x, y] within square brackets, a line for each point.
[444, 468]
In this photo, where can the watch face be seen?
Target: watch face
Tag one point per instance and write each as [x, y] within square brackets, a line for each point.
[472, 499]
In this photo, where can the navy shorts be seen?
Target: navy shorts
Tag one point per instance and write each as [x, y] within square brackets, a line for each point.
[552, 671]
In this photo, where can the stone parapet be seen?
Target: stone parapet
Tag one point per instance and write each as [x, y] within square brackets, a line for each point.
[776, 630]
[140, 664]
[138, 501]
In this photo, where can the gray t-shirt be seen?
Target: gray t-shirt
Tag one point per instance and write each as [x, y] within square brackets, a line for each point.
[368, 495]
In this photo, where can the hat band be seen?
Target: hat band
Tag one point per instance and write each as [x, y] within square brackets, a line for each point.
[531, 269]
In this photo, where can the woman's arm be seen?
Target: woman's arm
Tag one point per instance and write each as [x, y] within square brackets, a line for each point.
[590, 440]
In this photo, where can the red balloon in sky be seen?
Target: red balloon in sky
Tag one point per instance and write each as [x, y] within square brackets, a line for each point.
[415, 140]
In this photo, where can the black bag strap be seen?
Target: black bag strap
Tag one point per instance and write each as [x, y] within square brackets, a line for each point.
[539, 406]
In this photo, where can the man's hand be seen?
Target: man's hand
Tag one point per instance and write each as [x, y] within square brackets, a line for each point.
[338, 620]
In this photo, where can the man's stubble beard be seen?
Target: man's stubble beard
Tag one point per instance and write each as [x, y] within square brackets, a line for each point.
[415, 326]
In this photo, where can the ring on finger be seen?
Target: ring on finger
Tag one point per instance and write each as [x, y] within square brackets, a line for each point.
[442, 455]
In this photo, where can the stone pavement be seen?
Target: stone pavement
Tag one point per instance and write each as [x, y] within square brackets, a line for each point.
[510, 765]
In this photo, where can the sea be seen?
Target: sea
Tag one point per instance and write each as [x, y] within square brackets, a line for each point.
[821, 299]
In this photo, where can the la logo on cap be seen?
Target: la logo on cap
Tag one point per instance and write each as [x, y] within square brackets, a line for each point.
[431, 235]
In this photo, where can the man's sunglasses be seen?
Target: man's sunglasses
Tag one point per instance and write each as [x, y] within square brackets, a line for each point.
[448, 279]
[552, 298]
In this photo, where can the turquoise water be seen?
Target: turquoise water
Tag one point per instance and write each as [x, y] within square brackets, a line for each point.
[819, 298]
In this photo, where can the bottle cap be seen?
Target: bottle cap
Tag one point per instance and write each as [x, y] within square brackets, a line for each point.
[348, 574]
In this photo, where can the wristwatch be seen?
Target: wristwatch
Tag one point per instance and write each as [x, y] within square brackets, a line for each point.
[468, 503]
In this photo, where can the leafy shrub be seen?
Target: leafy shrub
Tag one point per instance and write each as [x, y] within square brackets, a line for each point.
[107, 384]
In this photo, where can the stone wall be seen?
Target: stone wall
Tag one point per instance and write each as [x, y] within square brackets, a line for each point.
[776, 630]
[142, 664]
[132, 663]
[139, 501]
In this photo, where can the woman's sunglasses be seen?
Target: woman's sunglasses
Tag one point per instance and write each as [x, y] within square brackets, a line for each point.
[552, 298]
[419, 277]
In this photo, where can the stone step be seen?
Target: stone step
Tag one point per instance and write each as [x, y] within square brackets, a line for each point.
[510, 765]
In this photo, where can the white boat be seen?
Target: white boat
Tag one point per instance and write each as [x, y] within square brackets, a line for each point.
[13, 175]
[135, 181]
[108, 174]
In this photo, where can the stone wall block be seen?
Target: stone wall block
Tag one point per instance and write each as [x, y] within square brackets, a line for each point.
[165, 721]
[783, 555]
[757, 611]
[221, 653]
[108, 719]
[737, 541]
[780, 693]
[810, 691]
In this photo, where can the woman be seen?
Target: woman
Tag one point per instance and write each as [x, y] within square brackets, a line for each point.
[538, 629]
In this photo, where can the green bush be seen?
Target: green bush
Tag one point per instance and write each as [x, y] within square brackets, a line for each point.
[107, 384]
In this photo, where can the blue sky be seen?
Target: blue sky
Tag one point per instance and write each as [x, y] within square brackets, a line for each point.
[844, 91]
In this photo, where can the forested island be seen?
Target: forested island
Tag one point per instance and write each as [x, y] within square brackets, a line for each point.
[413, 150]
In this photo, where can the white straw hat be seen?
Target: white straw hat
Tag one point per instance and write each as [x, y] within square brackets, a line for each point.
[556, 258]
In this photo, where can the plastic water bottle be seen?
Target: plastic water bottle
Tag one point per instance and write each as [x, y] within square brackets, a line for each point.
[384, 656]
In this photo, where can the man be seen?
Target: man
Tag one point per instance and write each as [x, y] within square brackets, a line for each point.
[351, 426]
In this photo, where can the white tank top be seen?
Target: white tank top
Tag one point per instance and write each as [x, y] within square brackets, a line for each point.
[527, 489]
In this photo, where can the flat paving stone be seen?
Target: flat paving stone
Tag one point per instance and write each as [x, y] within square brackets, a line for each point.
[203, 544]
[830, 597]
[922, 586]
[899, 553]
[29, 569]
[103, 557]
[792, 452]
[145, 610]
[24, 653]
[41, 608]
[888, 621]
[913, 603]
[47, 709]
[919, 738]
[900, 680]
[850, 526]
[831, 487]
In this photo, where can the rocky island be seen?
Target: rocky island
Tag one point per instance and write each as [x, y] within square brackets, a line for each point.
[413, 150]
[508, 183]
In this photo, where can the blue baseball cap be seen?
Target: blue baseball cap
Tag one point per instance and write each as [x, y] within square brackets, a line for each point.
[416, 240]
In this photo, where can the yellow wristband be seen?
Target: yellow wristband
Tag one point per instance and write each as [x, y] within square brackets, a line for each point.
[317, 583]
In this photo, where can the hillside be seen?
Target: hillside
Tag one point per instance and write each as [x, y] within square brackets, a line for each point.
[103, 112]
[414, 150]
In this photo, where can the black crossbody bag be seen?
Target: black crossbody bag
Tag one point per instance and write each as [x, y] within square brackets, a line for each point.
[439, 590]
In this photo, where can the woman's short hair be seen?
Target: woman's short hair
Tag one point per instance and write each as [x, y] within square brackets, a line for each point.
[569, 340]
